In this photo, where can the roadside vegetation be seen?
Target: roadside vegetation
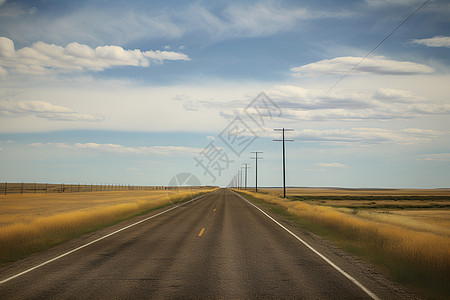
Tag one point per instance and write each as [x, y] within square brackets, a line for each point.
[411, 245]
[31, 223]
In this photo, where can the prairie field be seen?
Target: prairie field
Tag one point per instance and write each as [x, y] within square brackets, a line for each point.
[357, 192]
[34, 222]
[406, 233]
[7, 188]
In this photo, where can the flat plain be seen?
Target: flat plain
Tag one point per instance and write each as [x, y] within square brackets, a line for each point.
[33, 222]
[216, 247]
[405, 232]
[16, 208]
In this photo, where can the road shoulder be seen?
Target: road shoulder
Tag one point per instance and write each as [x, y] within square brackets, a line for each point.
[365, 273]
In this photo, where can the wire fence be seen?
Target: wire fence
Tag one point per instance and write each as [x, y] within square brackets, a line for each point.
[7, 188]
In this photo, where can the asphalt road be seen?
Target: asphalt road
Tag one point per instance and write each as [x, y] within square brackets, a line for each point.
[218, 246]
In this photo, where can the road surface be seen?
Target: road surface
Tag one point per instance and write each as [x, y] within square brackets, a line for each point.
[218, 246]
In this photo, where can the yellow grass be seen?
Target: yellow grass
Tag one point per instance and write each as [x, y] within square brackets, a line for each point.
[16, 208]
[31, 223]
[413, 248]
[357, 192]
[434, 221]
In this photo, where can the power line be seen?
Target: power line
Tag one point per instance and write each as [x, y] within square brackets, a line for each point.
[239, 179]
[284, 157]
[379, 44]
[246, 167]
[256, 171]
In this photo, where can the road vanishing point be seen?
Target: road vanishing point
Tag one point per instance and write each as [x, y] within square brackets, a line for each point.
[218, 246]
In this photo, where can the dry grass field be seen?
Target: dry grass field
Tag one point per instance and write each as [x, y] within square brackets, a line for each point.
[33, 222]
[7, 188]
[16, 208]
[405, 232]
[357, 192]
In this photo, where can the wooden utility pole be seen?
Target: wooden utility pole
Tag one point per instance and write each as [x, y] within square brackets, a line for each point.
[246, 167]
[284, 157]
[256, 168]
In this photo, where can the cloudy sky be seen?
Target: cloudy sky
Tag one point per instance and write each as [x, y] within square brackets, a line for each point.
[135, 92]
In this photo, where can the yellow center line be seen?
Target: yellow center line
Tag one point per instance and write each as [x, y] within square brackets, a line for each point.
[217, 203]
[207, 219]
[201, 231]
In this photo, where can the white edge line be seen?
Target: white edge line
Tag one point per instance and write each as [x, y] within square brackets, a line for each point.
[94, 241]
[356, 282]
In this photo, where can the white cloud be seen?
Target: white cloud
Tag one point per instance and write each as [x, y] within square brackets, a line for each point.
[42, 109]
[3, 72]
[210, 138]
[390, 3]
[436, 157]
[376, 65]
[5, 142]
[121, 25]
[258, 19]
[120, 149]
[42, 58]
[437, 41]
[316, 105]
[158, 150]
[36, 144]
[332, 165]
[366, 136]
[357, 136]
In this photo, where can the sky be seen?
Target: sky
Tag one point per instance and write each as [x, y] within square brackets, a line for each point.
[138, 92]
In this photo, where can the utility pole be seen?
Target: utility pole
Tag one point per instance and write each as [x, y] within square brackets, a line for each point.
[246, 167]
[239, 179]
[284, 156]
[242, 177]
[256, 172]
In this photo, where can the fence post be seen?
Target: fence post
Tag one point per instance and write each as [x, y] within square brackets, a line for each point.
[21, 191]
[6, 187]
[46, 187]
[35, 187]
